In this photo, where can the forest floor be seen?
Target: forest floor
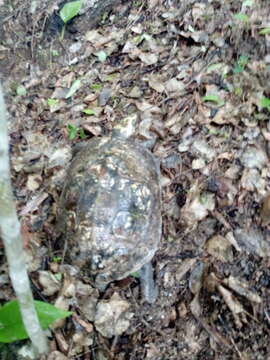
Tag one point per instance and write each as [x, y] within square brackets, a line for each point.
[197, 74]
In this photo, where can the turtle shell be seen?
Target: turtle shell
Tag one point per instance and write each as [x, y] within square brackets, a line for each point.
[110, 209]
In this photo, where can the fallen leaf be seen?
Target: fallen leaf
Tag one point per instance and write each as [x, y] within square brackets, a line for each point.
[220, 248]
[265, 211]
[148, 58]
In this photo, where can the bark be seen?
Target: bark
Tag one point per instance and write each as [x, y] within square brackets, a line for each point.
[11, 236]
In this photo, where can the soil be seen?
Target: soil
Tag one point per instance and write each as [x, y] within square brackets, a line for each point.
[197, 75]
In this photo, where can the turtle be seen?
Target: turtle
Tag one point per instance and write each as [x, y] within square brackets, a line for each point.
[110, 209]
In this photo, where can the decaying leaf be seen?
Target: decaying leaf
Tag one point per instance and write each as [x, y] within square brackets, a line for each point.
[197, 207]
[112, 316]
[253, 241]
[220, 248]
[265, 211]
[241, 287]
[253, 157]
[234, 305]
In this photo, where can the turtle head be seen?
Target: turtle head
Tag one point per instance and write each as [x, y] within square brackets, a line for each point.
[125, 127]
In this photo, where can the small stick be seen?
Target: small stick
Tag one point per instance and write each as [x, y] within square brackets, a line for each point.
[10, 232]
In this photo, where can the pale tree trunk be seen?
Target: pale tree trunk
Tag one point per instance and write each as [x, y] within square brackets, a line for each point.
[11, 236]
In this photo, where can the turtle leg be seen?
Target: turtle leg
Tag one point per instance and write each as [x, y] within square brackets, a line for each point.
[148, 286]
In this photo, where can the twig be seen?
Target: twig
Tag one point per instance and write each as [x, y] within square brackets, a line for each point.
[11, 234]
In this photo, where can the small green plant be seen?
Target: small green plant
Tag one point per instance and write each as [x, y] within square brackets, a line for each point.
[238, 91]
[101, 55]
[241, 17]
[52, 102]
[214, 99]
[12, 327]
[265, 103]
[89, 112]
[265, 31]
[240, 64]
[57, 259]
[74, 131]
[54, 52]
[74, 87]
[96, 87]
[104, 17]
[68, 12]
[138, 4]
[21, 90]
[135, 274]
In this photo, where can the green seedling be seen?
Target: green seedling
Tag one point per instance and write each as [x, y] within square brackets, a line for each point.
[81, 134]
[112, 77]
[74, 131]
[137, 4]
[238, 91]
[101, 55]
[241, 17]
[139, 38]
[52, 102]
[12, 327]
[58, 276]
[104, 17]
[135, 274]
[74, 87]
[89, 112]
[68, 12]
[265, 31]
[21, 90]
[96, 87]
[54, 52]
[265, 103]
[240, 64]
[214, 99]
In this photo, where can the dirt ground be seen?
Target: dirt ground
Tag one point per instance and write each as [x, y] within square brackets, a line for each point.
[197, 75]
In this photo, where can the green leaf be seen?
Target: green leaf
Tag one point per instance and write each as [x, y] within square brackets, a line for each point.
[248, 3]
[82, 134]
[213, 98]
[96, 86]
[21, 90]
[238, 91]
[265, 31]
[135, 274]
[70, 10]
[214, 67]
[74, 87]
[11, 324]
[58, 276]
[265, 103]
[54, 52]
[52, 102]
[72, 131]
[101, 55]
[241, 17]
[240, 65]
[48, 313]
[89, 112]
[111, 77]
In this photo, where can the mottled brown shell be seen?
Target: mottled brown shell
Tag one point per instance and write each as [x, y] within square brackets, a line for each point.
[110, 209]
